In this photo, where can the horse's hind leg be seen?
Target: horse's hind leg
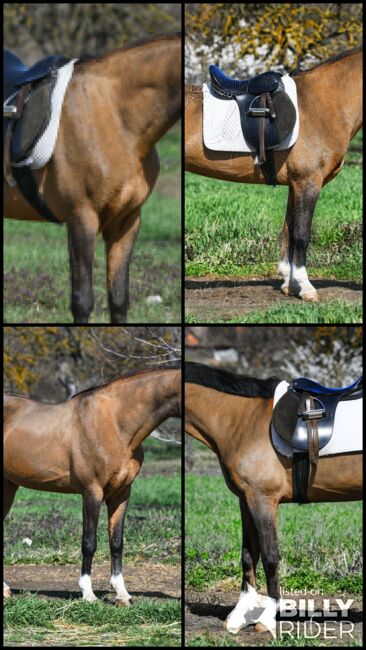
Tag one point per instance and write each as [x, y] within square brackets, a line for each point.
[91, 508]
[116, 517]
[9, 494]
[119, 240]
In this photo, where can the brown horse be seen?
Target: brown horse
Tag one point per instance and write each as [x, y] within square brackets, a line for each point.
[231, 415]
[89, 445]
[105, 164]
[329, 118]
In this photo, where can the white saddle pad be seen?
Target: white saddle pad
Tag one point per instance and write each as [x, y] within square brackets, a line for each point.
[221, 122]
[43, 149]
[347, 431]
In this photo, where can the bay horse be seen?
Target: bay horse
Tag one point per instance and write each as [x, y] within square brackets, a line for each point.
[329, 119]
[231, 415]
[89, 445]
[105, 163]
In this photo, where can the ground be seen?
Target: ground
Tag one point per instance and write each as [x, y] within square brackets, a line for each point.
[226, 298]
[141, 579]
[205, 612]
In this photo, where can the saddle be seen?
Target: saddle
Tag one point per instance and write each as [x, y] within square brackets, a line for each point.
[304, 418]
[267, 114]
[27, 97]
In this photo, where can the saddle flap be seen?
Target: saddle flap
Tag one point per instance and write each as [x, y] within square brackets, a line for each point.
[35, 118]
[285, 415]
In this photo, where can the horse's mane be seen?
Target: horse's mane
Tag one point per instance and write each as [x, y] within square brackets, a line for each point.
[228, 382]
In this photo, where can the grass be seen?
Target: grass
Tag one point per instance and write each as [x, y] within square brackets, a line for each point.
[36, 265]
[35, 621]
[334, 311]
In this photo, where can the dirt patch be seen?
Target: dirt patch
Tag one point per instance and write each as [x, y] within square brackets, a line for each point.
[206, 613]
[145, 579]
[227, 298]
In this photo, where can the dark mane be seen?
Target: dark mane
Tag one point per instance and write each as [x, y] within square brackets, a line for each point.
[228, 382]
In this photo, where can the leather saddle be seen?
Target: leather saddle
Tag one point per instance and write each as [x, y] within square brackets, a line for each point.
[306, 401]
[27, 94]
[267, 113]
[304, 417]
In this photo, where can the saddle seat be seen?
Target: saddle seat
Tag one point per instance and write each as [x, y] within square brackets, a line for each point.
[266, 82]
[310, 386]
[307, 401]
[16, 73]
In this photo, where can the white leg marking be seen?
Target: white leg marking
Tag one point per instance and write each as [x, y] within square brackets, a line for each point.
[7, 591]
[252, 608]
[284, 269]
[118, 584]
[238, 617]
[300, 284]
[85, 585]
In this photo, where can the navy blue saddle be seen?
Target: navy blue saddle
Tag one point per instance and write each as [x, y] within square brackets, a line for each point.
[16, 73]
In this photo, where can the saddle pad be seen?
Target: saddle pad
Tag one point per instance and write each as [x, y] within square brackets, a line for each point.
[221, 122]
[347, 431]
[43, 149]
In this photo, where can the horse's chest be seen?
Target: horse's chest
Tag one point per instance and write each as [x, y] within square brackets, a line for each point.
[127, 470]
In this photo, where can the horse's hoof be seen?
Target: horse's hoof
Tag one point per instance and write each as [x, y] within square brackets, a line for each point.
[231, 628]
[90, 599]
[310, 296]
[7, 592]
[285, 291]
[123, 603]
[261, 628]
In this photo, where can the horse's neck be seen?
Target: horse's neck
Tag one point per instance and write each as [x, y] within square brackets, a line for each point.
[153, 399]
[149, 78]
[346, 106]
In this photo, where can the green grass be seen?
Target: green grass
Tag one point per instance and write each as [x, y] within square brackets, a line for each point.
[320, 544]
[36, 265]
[233, 229]
[334, 311]
[34, 621]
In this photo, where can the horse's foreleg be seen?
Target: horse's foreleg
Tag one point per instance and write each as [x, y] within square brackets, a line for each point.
[264, 514]
[81, 238]
[304, 201]
[249, 558]
[284, 267]
[116, 516]
[9, 494]
[91, 508]
[119, 245]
